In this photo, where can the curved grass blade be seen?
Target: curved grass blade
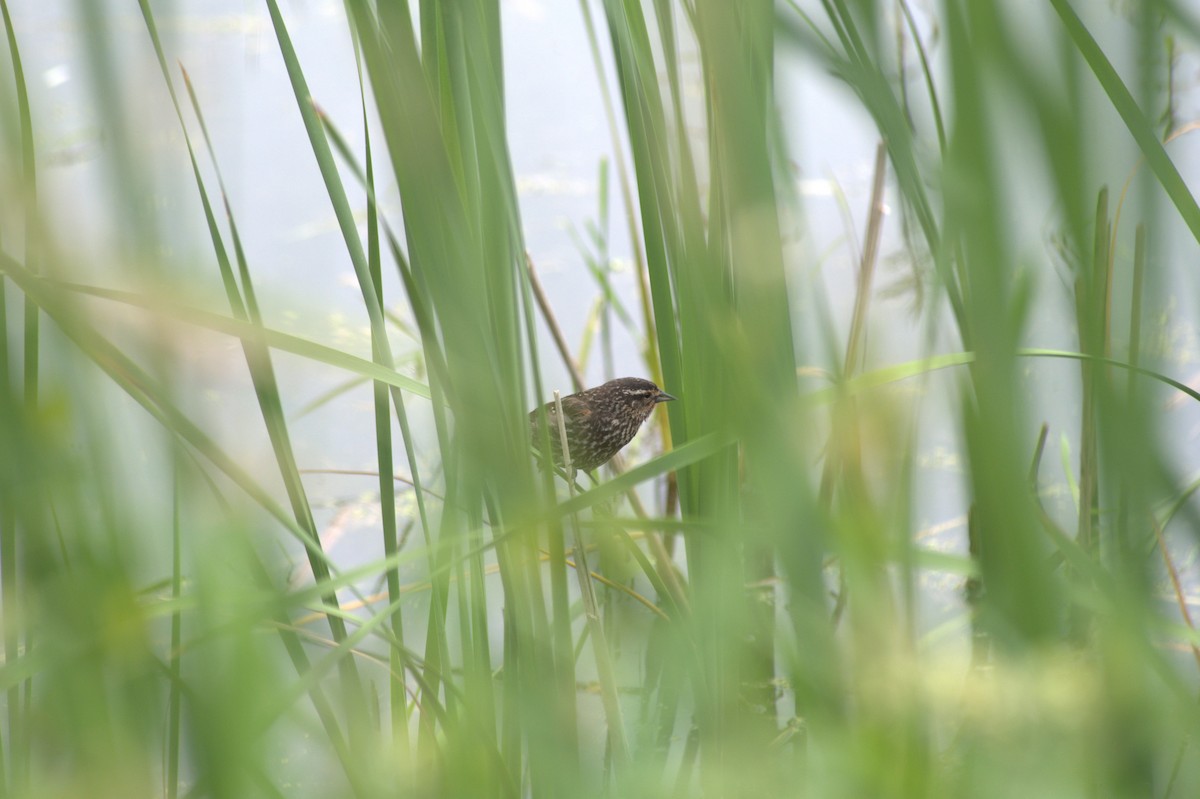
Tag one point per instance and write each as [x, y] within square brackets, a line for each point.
[1135, 121]
[168, 309]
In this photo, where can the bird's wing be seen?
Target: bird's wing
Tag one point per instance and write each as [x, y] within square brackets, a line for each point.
[576, 409]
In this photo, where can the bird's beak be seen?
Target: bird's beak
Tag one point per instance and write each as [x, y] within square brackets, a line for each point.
[664, 397]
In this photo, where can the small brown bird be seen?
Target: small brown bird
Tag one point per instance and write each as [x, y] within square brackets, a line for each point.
[600, 421]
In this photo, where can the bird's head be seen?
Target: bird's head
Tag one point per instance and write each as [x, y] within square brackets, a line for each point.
[637, 393]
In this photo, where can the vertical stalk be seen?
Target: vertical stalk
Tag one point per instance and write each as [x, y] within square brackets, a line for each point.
[397, 695]
[20, 694]
[1091, 318]
[174, 656]
[609, 690]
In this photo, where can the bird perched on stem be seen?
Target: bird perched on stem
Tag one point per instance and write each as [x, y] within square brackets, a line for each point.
[599, 421]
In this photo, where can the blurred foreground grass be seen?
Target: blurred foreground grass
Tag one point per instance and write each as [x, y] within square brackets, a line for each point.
[753, 618]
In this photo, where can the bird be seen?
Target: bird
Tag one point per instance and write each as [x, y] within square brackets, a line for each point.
[599, 421]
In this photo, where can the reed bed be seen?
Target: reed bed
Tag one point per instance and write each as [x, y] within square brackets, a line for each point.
[773, 593]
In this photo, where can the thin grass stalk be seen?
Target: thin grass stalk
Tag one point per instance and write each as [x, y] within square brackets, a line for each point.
[535, 673]
[1091, 316]
[1135, 353]
[10, 594]
[835, 466]
[9, 591]
[605, 263]
[609, 691]
[28, 193]
[438, 663]
[844, 459]
[478, 708]
[664, 687]
[174, 658]
[437, 609]
[15, 769]
[510, 733]
[480, 686]
[1177, 588]
[560, 611]
[11, 738]
[6, 374]
[866, 270]
[548, 316]
[397, 695]
[1135, 308]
